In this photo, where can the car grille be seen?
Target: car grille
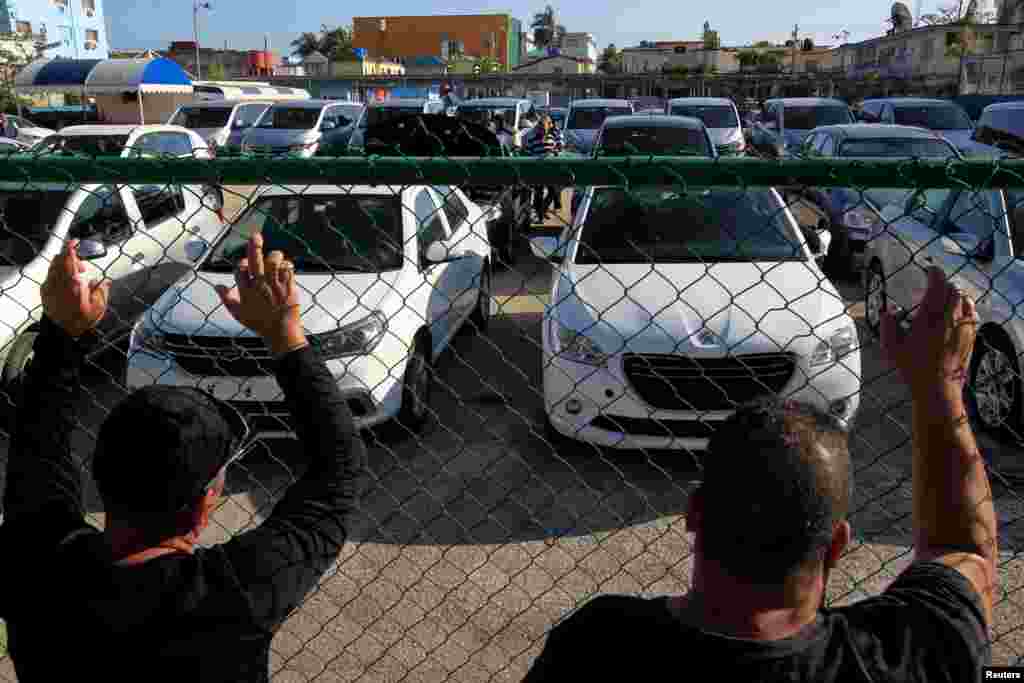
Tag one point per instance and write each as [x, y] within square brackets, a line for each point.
[671, 382]
[219, 356]
[638, 426]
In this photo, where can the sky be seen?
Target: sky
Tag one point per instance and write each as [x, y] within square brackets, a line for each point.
[245, 24]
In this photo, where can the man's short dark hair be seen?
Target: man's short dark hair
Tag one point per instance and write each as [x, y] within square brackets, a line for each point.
[776, 482]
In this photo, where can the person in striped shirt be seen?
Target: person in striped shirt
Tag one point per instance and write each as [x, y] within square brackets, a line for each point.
[545, 140]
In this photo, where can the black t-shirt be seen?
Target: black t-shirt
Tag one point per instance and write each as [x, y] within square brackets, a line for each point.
[928, 626]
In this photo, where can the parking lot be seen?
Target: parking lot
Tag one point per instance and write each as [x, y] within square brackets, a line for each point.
[472, 540]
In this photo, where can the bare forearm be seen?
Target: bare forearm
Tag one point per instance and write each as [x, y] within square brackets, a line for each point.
[953, 505]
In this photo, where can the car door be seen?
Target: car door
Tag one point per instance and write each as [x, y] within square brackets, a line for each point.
[466, 270]
[110, 216]
[972, 215]
[441, 309]
[909, 245]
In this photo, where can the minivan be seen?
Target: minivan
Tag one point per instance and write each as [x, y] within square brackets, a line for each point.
[719, 115]
[585, 118]
[380, 112]
[221, 123]
[302, 128]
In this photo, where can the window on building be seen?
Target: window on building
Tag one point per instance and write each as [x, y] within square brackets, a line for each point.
[24, 27]
[92, 35]
[88, 6]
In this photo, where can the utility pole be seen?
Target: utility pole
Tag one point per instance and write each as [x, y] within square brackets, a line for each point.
[796, 32]
[196, 6]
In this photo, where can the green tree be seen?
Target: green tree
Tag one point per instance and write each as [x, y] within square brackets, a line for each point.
[306, 44]
[610, 61]
[333, 43]
[747, 58]
[18, 52]
[489, 65]
[547, 32]
[764, 43]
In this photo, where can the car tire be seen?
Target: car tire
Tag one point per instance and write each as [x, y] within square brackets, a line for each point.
[13, 376]
[876, 298]
[417, 386]
[480, 319]
[994, 385]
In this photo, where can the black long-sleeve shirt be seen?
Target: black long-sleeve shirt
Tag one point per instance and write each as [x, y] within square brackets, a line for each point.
[209, 616]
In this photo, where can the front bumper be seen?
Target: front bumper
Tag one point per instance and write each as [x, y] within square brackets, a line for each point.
[370, 388]
[598, 405]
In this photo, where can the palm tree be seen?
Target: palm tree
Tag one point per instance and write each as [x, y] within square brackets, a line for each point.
[547, 32]
[333, 43]
[306, 44]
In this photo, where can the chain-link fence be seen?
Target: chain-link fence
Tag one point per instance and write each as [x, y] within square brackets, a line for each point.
[535, 387]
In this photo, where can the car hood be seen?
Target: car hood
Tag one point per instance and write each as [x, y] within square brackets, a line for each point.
[275, 137]
[328, 301]
[723, 136]
[750, 307]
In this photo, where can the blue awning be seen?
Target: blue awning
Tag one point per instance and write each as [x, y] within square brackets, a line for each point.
[110, 76]
[56, 75]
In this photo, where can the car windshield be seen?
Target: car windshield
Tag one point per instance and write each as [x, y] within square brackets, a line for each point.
[663, 140]
[92, 145]
[27, 218]
[664, 225]
[482, 115]
[898, 148]
[319, 233]
[591, 118]
[808, 118]
[290, 118]
[1005, 120]
[713, 117]
[202, 117]
[378, 115]
[934, 117]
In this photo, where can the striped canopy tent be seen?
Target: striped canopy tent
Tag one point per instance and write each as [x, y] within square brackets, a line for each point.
[103, 77]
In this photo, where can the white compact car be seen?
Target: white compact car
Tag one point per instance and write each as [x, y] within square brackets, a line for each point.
[669, 309]
[126, 140]
[24, 131]
[133, 235]
[387, 276]
[977, 238]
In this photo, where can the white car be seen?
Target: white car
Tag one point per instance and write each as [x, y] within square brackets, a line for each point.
[126, 140]
[24, 131]
[132, 235]
[977, 238]
[669, 309]
[383, 289]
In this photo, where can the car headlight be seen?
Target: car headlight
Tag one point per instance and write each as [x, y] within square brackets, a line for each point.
[355, 339]
[841, 342]
[579, 348]
[859, 218]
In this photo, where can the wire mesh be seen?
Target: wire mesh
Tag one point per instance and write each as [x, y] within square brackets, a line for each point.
[535, 383]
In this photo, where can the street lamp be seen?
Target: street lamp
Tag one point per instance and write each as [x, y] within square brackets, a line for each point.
[196, 6]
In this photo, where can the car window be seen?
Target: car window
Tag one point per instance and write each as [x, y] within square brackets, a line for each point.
[250, 113]
[810, 117]
[27, 218]
[641, 225]
[290, 118]
[970, 214]
[827, 146]
[664, 140]
[934, 117]
[102, 217]
[811, 142]
[163, 144]
[91, 145]
[713, 116]
[158, 202]
[591, 118]
[453, 207]
[201, 117]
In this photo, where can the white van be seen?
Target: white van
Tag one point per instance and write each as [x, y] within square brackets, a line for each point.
[220, 122]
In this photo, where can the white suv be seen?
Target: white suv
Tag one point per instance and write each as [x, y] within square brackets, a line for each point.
[977, 238]
[126, 140]
[386, 276]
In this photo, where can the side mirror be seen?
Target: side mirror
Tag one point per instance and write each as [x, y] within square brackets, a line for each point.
[546, 248]
[439, 252]
[962, 244]
[89, 250]
[195, 249]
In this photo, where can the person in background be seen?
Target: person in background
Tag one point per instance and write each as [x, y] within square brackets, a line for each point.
[769, 523]
[142, 595]
[545, 141]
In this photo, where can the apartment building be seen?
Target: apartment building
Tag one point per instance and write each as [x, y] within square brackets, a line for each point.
[72, 29]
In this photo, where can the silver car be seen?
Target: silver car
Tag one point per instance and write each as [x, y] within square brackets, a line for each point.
[303, 128]
[585, 118]
[719, 115]
[977, 238]
[221, 123]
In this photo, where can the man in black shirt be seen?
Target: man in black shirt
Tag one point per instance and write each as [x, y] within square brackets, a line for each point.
[140, 598]
[769, 523]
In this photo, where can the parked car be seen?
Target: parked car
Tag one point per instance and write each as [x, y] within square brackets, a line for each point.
[977, 238]
[585, 118]
[658, 135]
[126, 140]
[784, 123]
[385, 277]
[382, 112]
[302, 128]
[520, 114]
[656, 333]
[1001, 129]
[719, 115]
[852, 215]
[222, 123]
[21, 129]
[943, 116]
[505, 210]
[133, 235]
